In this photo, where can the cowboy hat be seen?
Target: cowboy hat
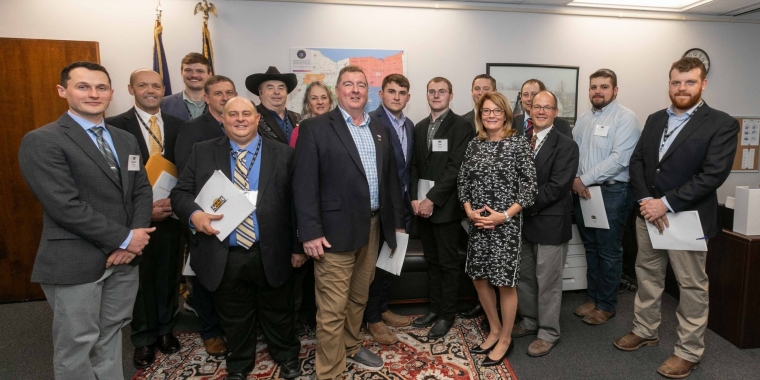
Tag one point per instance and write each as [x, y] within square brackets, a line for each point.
[253, 81]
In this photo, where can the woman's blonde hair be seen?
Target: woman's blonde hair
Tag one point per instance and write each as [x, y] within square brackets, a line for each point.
[500, 101]
[305, 110]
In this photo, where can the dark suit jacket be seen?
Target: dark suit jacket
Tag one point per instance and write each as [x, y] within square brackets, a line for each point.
[202, 128]
[697, 163]
[441, 167]
[269, 128]
[560, 125]
[128, 122]
[174, 105]
[273, 210]
[404, 166]
[88, 211]
[330, 186]
[470, 116]
[549, 221]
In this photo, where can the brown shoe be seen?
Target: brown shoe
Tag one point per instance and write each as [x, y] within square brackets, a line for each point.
[215, 346]
[632, 342]
[676, 368]
[381, 334]
[518, 331]
[394, 320]
[584, 309]
[597, 317]
[540, 347]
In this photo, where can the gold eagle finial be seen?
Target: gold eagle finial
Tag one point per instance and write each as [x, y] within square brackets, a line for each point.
[205, 7]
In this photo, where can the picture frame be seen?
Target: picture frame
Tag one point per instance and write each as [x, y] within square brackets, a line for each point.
[561, 80]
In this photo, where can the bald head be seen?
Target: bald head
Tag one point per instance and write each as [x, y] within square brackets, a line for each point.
[240, 120]
[544, 110]
[148, 89]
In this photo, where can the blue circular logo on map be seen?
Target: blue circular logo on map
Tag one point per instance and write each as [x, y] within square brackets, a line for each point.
[301, 54]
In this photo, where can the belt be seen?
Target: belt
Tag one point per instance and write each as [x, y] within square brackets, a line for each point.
[609, 183]
[237, 248]
[374, 213]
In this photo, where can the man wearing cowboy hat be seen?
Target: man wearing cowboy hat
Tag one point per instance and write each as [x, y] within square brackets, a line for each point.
[272, 88]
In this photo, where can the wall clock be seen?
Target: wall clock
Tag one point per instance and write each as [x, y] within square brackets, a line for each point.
[701, 55]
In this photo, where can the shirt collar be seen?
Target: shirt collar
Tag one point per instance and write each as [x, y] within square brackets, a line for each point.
[440, 118]
[185, 98]
[146, 116]
[604, 109]
[86, 124]
[350, 120]
[394, 120]
[251, 148]
[541, 135]
[277, 115]
[671, 111]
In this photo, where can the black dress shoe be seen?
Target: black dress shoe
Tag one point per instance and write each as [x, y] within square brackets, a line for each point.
[488, 362]
[474, 312]
[290, 369]
[235, 376]
[425, 320]
[144, 356]
[478, 350]
[168, 344]
[440, 328]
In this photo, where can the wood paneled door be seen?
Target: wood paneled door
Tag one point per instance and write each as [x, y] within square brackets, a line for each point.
[30, 69]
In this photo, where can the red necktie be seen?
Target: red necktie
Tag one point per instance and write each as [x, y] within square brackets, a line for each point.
[533, 142]
[529, 129]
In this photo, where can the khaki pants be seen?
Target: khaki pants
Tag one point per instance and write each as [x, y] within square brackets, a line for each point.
[342, 288]
[689, 268]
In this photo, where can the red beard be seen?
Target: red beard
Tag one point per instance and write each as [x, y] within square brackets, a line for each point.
[685, 104]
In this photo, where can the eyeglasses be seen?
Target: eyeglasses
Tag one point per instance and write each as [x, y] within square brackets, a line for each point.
[440, 92]
[545, 108]
[495, 112]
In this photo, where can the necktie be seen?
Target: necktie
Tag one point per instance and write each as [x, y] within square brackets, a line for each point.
[244, 233]
[529, 128]
[533, 142]
[105, 149]
[156, 139]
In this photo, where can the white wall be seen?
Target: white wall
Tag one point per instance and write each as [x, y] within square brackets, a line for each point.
[249, 36]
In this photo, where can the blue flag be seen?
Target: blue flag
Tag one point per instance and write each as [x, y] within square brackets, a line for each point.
[159, 58]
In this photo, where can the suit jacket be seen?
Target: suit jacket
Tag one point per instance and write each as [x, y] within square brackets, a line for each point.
[470, 116]
[404, 166]
[174, 105]
[549, 221]
[273, 210]
[560, 125]
[331, 189]
[202, 128]
[441, 167]
[128, 122]
[88, 211]
[697, 163]
[269, 128]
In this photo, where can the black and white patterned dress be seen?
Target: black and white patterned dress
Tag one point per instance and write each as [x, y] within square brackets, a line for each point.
[497, 174]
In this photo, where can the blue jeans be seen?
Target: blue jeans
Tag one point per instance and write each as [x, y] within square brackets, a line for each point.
[604, 250]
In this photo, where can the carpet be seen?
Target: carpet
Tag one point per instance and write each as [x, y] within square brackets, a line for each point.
[413, 357]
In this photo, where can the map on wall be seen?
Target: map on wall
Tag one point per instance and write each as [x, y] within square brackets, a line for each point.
[316, 64]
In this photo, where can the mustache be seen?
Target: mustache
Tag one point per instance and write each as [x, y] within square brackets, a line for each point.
[682, 94]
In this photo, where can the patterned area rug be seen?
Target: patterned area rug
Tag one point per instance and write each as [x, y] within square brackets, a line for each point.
[413, 357]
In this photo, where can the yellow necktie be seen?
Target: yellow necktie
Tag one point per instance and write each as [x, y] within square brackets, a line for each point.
[155, 146]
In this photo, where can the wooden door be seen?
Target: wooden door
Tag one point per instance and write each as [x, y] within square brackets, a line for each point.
[30, 69]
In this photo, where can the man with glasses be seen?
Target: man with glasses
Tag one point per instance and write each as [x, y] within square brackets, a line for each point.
[480, 85]
[547, 227]
[439, 145]
[606, 135]
[523, 122]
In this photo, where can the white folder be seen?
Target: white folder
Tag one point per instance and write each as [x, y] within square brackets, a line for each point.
[423, 187]
[220, 196]
[684, 234]
[163, 186]
[391, 260]
[594, 214]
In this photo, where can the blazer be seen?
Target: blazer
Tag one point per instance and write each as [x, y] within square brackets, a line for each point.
[561, 125]
[174, 105]
[441, 167]
[330, 186]
[697, 163]
[269, 128]
[548, 220]
[273, 210]
[88, 211]
[128, 122]
[202, 128]
[470, 116]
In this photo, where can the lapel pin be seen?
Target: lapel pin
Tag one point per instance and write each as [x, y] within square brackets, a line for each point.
[379, 138]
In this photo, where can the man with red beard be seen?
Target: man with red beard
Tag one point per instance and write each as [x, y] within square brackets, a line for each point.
[685, 153]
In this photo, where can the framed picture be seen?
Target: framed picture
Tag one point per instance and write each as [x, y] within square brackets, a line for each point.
[561, 80]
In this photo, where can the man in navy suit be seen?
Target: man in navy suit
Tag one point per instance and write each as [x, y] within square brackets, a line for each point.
[394, 95]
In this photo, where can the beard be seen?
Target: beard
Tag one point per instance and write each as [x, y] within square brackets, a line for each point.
[600, 103]
[685, 104]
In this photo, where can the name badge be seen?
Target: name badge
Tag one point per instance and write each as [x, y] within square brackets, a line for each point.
[252, 195]
[440, 145]
[601, 130]
[133, 164]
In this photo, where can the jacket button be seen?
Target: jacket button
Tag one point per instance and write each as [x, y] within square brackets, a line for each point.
[658, 170]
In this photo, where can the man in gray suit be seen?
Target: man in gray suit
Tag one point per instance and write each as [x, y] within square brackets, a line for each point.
[189, 103]
[96, 203]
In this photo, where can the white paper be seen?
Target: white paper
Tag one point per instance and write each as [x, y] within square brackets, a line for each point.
[391, 260]
[187, 271]
[684, 234]
[163, 186]
[748, 158]
[750, 132]
[730, 202]
[594, 214]
[220, 196]
[423, 186]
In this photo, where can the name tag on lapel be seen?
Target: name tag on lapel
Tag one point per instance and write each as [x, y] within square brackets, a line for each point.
[440, 145]
[133, 164]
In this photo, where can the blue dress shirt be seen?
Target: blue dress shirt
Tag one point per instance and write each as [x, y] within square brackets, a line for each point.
[284, 124]
[253, 178]
[365, 144]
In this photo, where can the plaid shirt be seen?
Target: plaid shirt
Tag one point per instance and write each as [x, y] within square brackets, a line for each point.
[365, 144]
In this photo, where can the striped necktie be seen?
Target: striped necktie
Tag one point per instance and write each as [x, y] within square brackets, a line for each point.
[156, 139]
[105, 149]
[529, 129]
[244, 233]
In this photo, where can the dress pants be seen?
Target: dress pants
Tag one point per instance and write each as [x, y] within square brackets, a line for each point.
[693, 306]
[379, 295]
[87, 322]
[539, 292]
[157, 299]
[440, 249]
[342, 288]
[245, 295]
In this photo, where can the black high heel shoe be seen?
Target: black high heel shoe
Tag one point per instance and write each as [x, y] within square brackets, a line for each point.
[488, 362]
[477, 350]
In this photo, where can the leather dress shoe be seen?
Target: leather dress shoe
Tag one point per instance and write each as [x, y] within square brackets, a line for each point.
[488, 362]
[168, 344]
[394, 320]
[597, 317]
[676, 368]
[290, 369]
[584, 309]
[144, 356]
[440, 328]
[473, 313]
[479, 350]
[425, 320]
[236, 376]
[215, 346]
[632, 342]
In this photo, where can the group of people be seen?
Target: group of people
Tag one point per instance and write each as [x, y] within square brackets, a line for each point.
[330, 185]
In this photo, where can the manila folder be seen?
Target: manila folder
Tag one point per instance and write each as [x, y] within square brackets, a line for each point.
[156, 165]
